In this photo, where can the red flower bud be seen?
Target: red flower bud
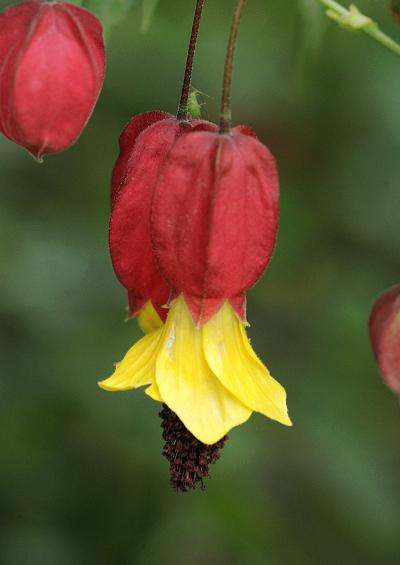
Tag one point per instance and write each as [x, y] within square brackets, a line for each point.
[145, 146]
[384, 327]
[215, 217]
[52, 68]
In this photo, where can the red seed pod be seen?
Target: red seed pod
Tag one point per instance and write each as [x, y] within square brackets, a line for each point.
[145, 147]
[52, 63]
[215, 217]
[384, 327]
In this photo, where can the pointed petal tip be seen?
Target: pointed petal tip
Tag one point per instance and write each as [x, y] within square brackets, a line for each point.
[105, 385]
[280, 413]
[284, 418]
[287, 421]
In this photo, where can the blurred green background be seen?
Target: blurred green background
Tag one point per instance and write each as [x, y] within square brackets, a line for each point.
[82, 481]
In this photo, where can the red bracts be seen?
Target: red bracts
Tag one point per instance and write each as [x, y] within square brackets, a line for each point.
[145, 146]
[194, 212]
[52, 62]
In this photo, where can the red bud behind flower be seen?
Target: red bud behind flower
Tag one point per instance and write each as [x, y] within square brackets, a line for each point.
[384, 327]
[126, 159]
[145, 147]
[52, 62]
[215, 217]
[150, 285]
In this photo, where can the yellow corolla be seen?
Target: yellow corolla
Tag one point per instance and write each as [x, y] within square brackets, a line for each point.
[209, 376]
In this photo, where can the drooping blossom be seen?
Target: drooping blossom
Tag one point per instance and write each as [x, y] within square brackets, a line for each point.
[212, 230]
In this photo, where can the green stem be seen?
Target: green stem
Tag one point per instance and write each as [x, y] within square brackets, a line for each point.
[332, 5]
[354, 20]
[225, 116]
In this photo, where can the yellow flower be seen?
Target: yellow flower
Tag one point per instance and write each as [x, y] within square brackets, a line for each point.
[209, 376]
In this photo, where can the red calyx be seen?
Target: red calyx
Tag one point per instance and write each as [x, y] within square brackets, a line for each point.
[127, 156]
[215, 217]
[384, 327]
[145, 146]
[52, 62]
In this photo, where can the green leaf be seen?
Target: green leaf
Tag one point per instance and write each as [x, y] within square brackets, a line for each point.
[148, 9]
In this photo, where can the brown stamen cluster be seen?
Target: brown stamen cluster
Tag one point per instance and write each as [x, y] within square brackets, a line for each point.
[188, 457]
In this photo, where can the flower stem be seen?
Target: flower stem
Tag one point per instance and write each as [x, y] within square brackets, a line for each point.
[354, 20]
[183, 104]
[225, 118]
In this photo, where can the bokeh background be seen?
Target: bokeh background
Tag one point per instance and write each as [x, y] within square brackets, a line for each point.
[82, 481]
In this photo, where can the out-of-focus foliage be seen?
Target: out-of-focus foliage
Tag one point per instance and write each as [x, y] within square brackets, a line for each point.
[395, 5]
[111, 12]
[81, 476]
[148, 9]
[314, 23]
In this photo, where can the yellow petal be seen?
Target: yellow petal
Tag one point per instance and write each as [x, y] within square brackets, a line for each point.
[137, 367]
[232, 359]
[186, 383]
[154, 392]
[148, 318]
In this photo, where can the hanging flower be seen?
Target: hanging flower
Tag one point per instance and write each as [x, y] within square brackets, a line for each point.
[213, 226]
[52, 69]
[384, 327]
[193, 226]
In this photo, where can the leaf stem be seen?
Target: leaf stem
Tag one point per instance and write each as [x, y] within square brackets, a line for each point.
[354, 20]
[182, 114]
[225, 118]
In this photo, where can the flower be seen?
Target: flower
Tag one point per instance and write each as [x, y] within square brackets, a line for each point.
[52, 70]
[213, 222]
[384, 327]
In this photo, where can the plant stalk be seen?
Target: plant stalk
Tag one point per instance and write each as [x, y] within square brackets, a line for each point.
[370, 28]
[182, 114]
[226, 117]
